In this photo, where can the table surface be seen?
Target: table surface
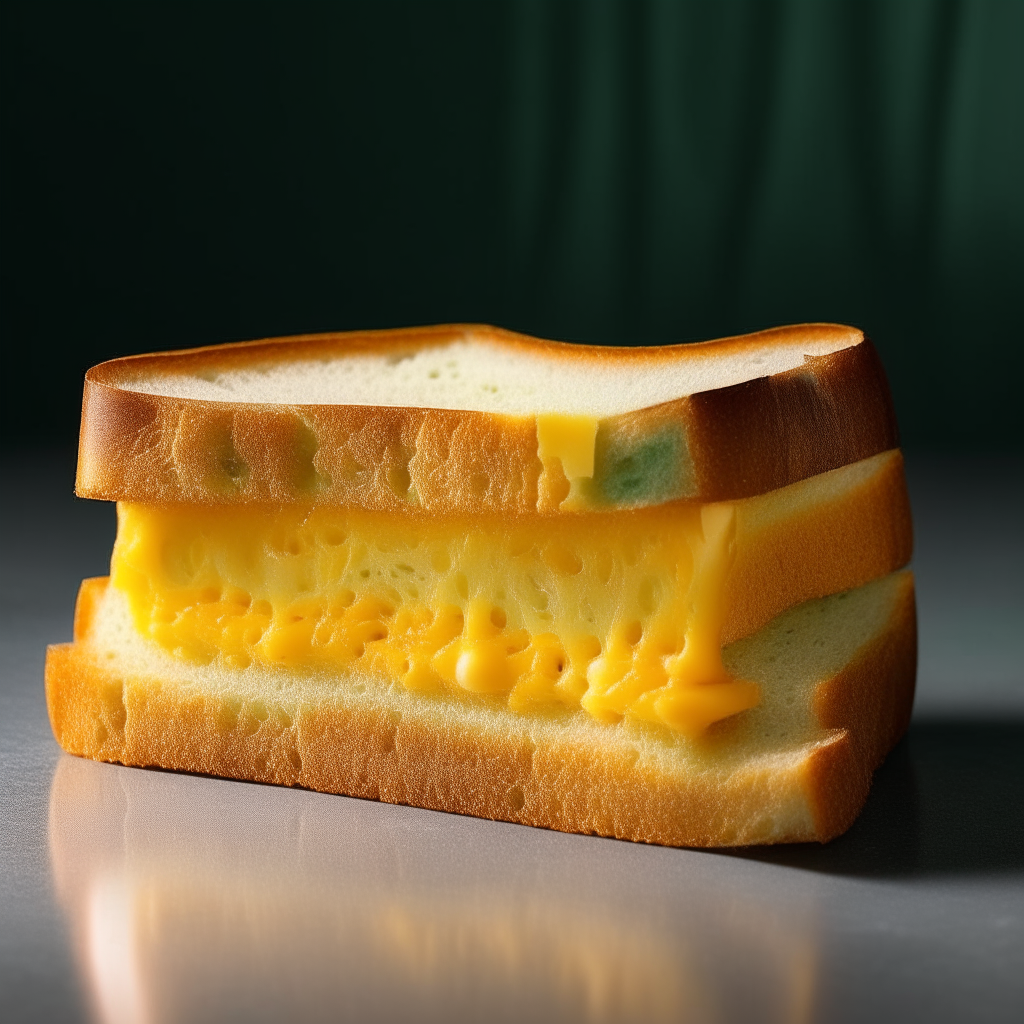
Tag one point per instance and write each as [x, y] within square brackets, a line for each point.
[133, 895]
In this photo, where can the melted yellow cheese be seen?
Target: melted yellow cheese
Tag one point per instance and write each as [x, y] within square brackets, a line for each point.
[619, 614]
[571, 439]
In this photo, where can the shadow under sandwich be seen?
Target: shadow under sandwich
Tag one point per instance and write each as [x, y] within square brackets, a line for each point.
[946, 801]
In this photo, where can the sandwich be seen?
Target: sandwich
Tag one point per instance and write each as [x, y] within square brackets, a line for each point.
[651, 593]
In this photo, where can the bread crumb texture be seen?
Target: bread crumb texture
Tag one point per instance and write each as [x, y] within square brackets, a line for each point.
[481, 370]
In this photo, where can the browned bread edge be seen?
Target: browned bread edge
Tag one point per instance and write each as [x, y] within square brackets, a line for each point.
[739, 441]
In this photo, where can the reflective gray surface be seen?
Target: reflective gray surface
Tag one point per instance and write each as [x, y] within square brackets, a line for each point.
[131, 895]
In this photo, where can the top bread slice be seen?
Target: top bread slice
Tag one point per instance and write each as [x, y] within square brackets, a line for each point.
[455, 418]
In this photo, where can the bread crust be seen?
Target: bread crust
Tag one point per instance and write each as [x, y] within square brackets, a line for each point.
[739, 441]
[791, 548]
[579, 779]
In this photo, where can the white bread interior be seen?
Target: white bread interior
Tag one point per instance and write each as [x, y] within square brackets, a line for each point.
[837, 681]
[475, 371]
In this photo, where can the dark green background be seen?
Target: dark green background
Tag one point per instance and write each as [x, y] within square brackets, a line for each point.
[178, 174]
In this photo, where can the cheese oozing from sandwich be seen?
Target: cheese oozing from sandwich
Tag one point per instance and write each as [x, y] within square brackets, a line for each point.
[619, 614]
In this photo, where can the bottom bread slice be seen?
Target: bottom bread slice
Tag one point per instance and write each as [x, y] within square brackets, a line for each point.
[837, 684]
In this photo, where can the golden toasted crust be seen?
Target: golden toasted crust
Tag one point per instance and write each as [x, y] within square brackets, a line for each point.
[584, 778]
[821, 536]
[871, 702]
[738, 441]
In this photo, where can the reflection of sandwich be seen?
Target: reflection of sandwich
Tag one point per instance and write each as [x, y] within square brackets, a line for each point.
[473, 571]
[175, 890]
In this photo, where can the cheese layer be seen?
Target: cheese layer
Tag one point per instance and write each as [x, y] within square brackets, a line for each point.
[619, 614]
